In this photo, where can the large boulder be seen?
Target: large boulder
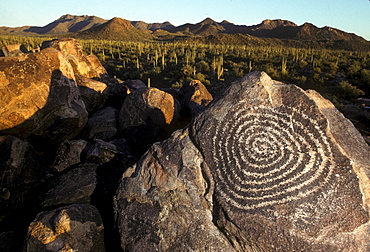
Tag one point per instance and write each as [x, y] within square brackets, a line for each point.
[83, 64]
[40, 98]
[163, 203]
[147, 116]
[266, 167]
[291, 173]
[77, 227]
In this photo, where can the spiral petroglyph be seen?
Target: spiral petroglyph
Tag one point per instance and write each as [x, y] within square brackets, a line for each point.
[266, 156]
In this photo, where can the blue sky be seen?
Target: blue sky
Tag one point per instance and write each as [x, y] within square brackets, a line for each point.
[347, 15]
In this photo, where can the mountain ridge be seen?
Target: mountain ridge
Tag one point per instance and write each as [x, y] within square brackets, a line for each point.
[97, 28]
[115, 29]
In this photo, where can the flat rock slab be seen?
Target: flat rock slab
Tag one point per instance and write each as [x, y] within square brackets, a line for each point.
[286, 166]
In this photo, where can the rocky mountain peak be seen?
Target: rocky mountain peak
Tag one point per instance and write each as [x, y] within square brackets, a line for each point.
[208, 21]
[123, 23]
[226, 22]
[271, 24]
[66, 16]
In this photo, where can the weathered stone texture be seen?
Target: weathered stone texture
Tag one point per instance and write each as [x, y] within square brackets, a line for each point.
[284, 175]
[147, 104]
[162, 203]
[93, 93]
[14, 50]
[267, 167]
[85, 65]
[70, 152]
[102, 125]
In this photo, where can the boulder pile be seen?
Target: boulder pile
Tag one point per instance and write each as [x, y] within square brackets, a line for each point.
[89, 163]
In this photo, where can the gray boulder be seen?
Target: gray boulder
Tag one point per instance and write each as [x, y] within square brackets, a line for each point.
[291, 173]
[164, 203]
[194, 98]
[93, 93]
[147, 115]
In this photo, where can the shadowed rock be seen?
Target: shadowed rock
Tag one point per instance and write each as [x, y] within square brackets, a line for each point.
[102, 125]
[133, 85]
[93, 93]
[73, 187]
[70, 152]
[102, 152]
[20, 172]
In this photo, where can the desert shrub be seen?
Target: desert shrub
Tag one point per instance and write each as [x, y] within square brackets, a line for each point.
[348, 91]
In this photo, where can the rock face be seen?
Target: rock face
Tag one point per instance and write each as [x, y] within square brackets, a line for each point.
[85, 65]
[92, 92]
[287, 176]
[267, 167]
[102, 125]
[64, 190]
[39, 97]
[72, 228]
[70, 152]
[163, 203]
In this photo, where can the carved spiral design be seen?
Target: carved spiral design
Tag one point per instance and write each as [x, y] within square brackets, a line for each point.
[266, 156]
